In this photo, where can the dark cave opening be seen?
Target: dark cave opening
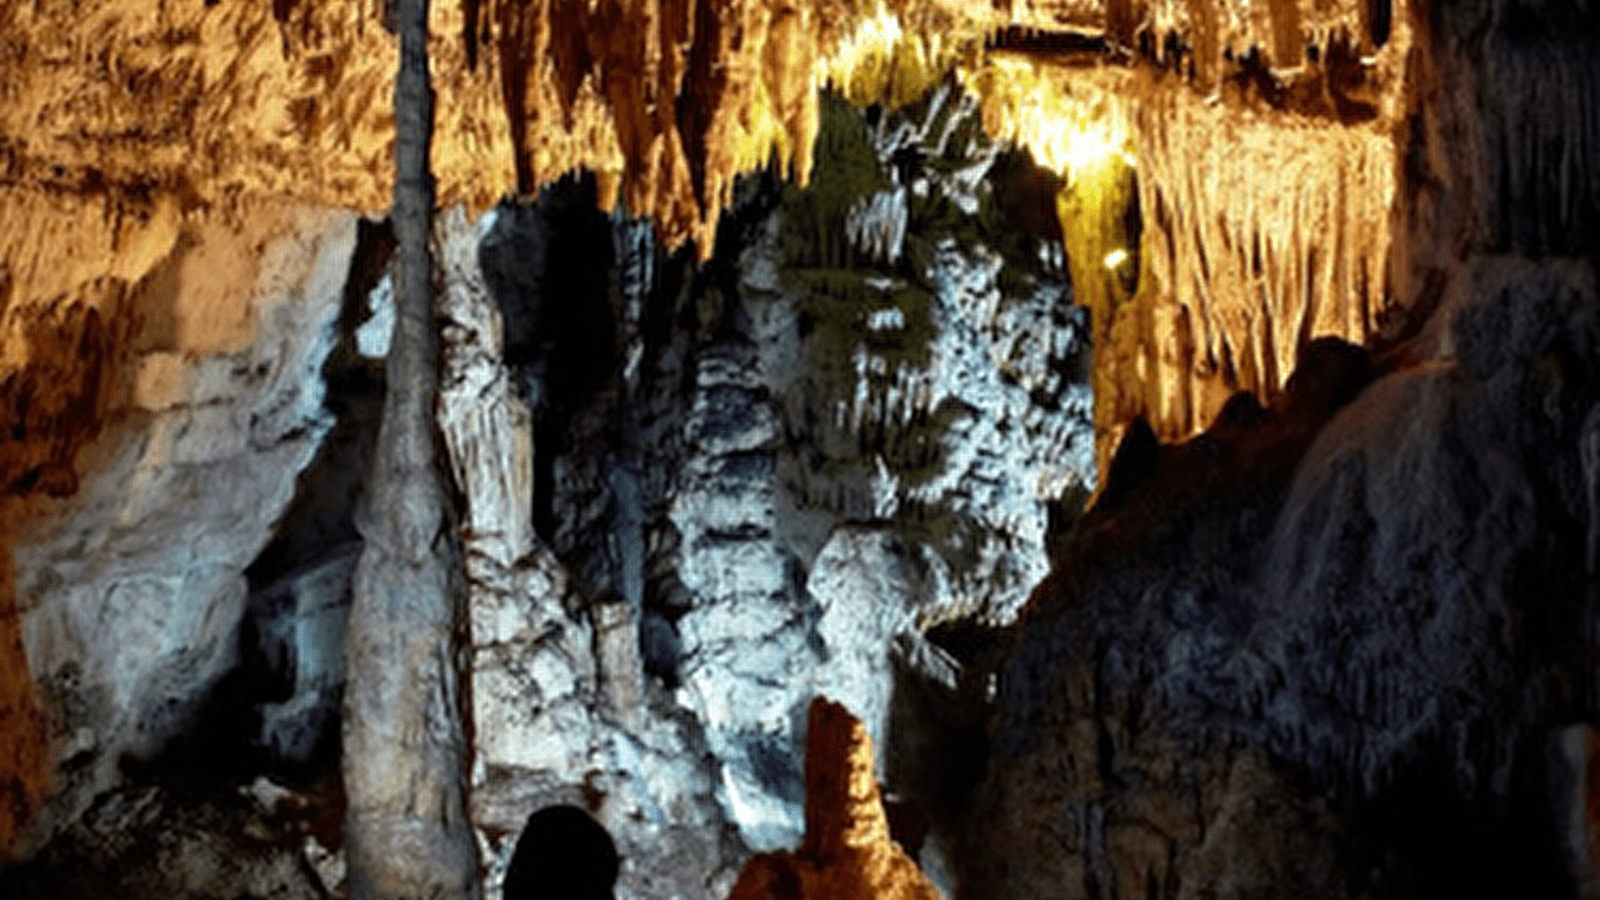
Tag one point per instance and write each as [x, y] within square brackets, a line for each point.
[562, 853]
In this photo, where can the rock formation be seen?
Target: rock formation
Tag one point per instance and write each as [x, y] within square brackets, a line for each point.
[131, 590]
[671, 527]
[847, 852]
[624, 493]
[404, 742]
[1356, 619]
[288, 101]
[831, 449]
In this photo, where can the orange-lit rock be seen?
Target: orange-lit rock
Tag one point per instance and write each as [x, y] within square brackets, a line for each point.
[847, 853]
[1262, 231]
[118, 121]
[201, 104]
[1220, 210]
[24, 762]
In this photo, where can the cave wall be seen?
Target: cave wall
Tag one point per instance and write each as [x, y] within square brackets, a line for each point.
[1330, 646]
[1339, 644]
[130, 589]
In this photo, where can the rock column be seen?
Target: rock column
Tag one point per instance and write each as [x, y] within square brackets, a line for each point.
[406, 830]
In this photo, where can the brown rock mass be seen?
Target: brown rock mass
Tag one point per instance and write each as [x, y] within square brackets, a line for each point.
[847, 853]
[24, 763]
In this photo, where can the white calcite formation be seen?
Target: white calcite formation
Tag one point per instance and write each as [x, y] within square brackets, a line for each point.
[133, 590]
[709, 564]
[752, 506]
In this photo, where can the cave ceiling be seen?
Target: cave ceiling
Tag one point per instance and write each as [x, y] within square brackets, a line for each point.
[1244, 133]
[200, 104]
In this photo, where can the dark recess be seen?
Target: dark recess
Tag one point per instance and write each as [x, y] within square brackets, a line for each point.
[1379, 21]
[562, 853]
[547, 264]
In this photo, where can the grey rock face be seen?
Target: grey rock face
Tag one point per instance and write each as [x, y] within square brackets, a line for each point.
[302, 623]
[697, 497]
[1329, 675]
[132, 592]
[559, 698]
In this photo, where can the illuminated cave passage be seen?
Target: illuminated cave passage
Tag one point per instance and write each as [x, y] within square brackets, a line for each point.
[1168, 432]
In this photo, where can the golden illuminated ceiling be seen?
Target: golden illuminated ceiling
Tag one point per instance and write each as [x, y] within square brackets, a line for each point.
[209, 100]
[1245, 132]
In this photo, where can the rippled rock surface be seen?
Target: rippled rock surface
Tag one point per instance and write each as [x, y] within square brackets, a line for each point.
[1338, 647]
[752, 482]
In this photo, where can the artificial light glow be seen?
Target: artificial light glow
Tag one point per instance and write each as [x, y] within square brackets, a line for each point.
[1076, 147]
[880, 62]
[864, 55]
[1116, 258]
[878, 33]
[1076, 127]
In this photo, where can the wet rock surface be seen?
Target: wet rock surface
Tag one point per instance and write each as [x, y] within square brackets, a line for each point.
[1323, 649]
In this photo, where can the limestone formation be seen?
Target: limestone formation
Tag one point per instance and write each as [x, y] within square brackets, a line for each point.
[1326, 630]
[148, 842]
[847, 852]
[245, 101]
[405, 745]
[700, 575]
[1357, 618]
[131, 590]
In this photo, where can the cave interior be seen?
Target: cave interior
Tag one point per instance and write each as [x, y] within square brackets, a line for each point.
[785, 449]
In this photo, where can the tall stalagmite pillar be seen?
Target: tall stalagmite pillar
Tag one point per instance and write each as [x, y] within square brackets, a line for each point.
[406, 832]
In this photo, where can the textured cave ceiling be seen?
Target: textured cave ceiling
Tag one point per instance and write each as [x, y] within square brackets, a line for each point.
[1257, 131]
[199, 104]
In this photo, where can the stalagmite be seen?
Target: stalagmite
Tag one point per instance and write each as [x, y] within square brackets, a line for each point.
[406, 832]
[847, 853]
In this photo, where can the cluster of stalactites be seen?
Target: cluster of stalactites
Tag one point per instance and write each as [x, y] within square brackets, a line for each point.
[1212, 40]
[1255, 245]
[667, 101]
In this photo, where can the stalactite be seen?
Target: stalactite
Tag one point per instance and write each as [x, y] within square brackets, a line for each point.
[1261, 234]
[210, 103]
